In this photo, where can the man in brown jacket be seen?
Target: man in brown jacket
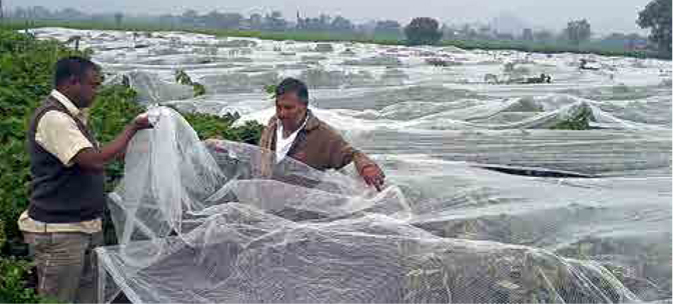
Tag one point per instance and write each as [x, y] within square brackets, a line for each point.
[297, 133]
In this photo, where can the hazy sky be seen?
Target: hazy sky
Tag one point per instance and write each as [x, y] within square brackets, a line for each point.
[605, 16]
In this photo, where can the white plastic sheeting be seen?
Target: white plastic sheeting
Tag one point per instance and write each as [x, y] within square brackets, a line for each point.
[224, 224]
[150, 88]
[597, 228]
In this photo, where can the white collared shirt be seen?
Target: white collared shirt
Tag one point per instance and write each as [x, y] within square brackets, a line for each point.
[74, 110]
[57, 132]
[283, 145]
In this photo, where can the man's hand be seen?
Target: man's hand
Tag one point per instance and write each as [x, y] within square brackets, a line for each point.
[94, 159]
[373, 176]
[215, 144]
[141, 122]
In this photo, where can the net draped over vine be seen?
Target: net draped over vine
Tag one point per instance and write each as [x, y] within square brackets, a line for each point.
[222, 222]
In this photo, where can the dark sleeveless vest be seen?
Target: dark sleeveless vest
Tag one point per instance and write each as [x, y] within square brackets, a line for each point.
[61, 194]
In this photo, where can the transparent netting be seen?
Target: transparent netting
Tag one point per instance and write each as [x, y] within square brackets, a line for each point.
[224, 222]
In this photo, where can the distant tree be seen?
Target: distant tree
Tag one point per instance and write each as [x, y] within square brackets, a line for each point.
[504, 36]
[467, 32]
[274, 22]
[215, 19]
[19, 13]
[231, 20]
[342, 24]
[578, 31]
[366, 27]
[527, 35]
[276, 15]
[41, 12]
[657, 17]
[387, 28]
[448, 32]
[256, 21]
[324, 22]
[118, 19]
[628, 42]
[212, 19]
[422, 31]
[485, 32]
[167, 19]
[543, 36]
[71, 14]
[190, 17]
[635, 41]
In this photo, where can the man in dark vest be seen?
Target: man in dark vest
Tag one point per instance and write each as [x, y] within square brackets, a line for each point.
[63, 222]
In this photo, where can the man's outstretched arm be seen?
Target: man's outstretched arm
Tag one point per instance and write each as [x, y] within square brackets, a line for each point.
[91, 159]
[343, 154]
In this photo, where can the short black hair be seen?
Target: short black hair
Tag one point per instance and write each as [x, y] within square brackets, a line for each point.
[72, 66]
[289, 85]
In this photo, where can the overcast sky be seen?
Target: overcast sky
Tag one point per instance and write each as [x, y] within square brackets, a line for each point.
[605, 16]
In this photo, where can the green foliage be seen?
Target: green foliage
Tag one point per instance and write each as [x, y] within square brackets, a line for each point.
[657, 17]
[118, 19]
[12, 282]
[3, 237]
[271, 90]
[199, 89]
[212, 126]
[181, 77]
[578, 31]
[26, 69]
[576, 122]
[113, 109]
[249, 133]
[423, 31]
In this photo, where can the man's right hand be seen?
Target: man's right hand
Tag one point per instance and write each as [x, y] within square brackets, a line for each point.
[373, 176]
[94, 159]
[142, 122]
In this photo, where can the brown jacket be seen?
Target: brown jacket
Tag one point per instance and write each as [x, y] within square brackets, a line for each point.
[317, 145]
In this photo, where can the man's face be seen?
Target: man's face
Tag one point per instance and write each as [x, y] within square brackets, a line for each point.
[290, 110]
[86, 88]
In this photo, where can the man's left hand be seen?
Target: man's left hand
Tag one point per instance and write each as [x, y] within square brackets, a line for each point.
[373, 176]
